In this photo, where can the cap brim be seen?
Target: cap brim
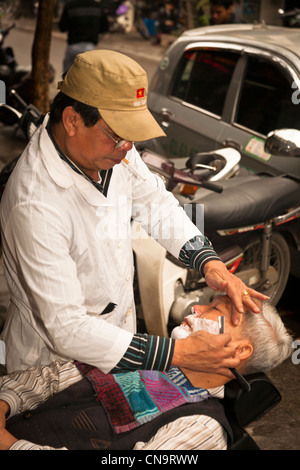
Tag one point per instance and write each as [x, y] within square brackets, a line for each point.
[134, 126]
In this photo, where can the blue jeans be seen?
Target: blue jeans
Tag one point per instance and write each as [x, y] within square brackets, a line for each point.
[72, 50]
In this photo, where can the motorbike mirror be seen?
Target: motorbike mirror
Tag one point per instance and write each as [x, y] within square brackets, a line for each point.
[283, 142]
[9, 115]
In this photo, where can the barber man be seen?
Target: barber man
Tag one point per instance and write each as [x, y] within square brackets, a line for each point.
[65, 218]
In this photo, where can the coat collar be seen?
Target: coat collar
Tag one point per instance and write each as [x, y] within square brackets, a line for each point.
[60, 172]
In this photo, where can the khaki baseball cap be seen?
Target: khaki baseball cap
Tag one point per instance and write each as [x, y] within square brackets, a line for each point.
[117, 86]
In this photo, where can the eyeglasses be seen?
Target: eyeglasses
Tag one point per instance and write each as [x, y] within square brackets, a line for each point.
[118, 143]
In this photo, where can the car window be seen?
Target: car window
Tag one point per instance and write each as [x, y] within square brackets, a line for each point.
[203, 77]
[266, 98]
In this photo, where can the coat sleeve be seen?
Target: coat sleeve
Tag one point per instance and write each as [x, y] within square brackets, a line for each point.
[38, 236]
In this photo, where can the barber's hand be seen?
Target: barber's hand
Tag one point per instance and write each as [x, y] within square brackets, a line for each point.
[206, 352]
[6, 439]
[4, 409]
[218, 277]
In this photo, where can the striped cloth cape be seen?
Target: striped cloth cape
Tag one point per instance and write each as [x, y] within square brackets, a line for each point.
[134, 398]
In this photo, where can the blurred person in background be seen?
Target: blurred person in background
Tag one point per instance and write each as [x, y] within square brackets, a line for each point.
[84, 20]
[167, 20]
[221, 12]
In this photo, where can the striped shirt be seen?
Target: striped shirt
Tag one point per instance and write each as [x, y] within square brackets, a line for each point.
[26, 390]
[147, 352]
[197, 252]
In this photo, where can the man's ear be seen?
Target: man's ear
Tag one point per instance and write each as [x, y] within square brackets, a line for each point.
[244, 350]
[69, 119]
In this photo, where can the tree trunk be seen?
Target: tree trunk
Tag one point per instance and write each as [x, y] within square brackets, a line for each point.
[188, 11]
[190, 7]
[40, 55]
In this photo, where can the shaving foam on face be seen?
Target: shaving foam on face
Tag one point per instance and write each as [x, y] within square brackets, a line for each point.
[196, 324]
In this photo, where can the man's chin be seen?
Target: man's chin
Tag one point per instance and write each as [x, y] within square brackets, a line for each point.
[109, 163]
[179, 333]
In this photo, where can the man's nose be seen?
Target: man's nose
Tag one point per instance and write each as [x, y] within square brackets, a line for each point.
[199, 310]
[126, 145]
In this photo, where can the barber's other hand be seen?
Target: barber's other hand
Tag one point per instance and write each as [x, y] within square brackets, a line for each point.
[206, 352]
[218, 277]
[4, 409]
[6, 439]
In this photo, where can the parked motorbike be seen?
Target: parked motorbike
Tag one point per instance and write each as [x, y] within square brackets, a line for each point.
[251, 221]
[24, 116]
[27, 121]
[290, 18]
[10, 72]
[126, 15]
[167, 290]
[15, 76]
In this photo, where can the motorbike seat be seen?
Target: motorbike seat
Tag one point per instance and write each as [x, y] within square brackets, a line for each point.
[248, 200]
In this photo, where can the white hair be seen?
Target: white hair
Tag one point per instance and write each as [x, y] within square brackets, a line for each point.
[271, 342]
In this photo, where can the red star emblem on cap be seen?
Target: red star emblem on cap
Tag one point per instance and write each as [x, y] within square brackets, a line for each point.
[140, 93]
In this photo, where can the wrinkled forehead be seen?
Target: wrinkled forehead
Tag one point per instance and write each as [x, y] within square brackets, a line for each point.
[227, 302]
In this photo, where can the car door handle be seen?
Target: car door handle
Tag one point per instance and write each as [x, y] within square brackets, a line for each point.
[232, 143]
[166, 117]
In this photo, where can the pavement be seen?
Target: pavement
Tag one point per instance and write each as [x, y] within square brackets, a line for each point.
[130, 44]
[279, 429]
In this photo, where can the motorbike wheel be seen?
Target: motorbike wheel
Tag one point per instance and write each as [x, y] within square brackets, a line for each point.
[278, 272]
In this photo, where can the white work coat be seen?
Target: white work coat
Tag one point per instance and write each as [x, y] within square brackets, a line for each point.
[67, 255]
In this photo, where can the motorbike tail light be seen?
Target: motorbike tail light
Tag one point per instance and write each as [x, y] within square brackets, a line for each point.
[232, 267]
[188, 189]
